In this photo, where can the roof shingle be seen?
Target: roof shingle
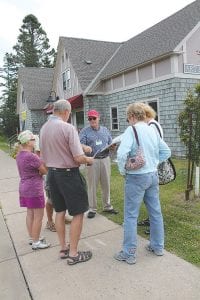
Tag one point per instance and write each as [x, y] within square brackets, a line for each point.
[156, 41]
[88, 57]
[37, 85]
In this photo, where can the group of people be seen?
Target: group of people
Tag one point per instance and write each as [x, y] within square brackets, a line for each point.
[62, 151]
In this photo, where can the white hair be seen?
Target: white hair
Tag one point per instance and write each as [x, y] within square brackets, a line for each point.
[62, 105]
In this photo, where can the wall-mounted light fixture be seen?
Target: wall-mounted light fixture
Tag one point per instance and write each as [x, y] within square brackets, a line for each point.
[52, 97]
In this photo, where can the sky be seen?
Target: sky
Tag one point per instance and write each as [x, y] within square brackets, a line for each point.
[105, 20]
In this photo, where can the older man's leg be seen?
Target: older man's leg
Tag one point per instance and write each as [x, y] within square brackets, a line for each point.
[60, 228]
[75, 232]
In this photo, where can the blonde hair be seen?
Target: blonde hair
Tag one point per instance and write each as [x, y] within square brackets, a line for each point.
[136, 110]
[149, 111]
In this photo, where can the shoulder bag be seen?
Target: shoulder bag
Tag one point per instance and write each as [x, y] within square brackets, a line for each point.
[166, 169]
[137, 161]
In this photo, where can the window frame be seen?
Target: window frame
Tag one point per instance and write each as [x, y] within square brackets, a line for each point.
[112, 123]
[68, 78]
[64, 82]
[23, 97]
[150, 100]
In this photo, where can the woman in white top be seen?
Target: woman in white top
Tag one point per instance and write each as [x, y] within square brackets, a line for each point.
[150, 119]
[141, 183]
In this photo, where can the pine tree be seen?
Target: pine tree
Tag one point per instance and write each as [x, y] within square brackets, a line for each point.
[9, 119]
[32, 48]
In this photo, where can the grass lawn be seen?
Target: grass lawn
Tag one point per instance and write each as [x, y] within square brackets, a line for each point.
[3, 144]
[181, 218]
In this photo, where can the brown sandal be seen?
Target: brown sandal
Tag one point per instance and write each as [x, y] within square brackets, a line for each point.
[82, 256]
[64, 254]
[51, 227]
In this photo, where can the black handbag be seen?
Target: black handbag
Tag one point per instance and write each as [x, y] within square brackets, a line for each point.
[166, 172]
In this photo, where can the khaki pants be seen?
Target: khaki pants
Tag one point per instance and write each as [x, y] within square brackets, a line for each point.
[99, 172]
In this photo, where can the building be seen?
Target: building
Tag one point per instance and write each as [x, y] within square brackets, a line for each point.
[34, 86]
[157, 66]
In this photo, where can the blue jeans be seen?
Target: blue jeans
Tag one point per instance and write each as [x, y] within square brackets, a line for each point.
[137, 188]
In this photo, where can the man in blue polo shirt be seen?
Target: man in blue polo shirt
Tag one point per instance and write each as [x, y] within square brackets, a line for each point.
[94, 138]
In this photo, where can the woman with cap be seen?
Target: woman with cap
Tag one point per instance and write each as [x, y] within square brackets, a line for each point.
[94, 138]
[31, 194]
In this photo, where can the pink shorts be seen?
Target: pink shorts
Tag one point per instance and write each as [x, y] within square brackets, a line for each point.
[32, 202]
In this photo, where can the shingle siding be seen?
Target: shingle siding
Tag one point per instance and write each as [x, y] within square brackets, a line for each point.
[94, 61]
[38, 119]
[170, 93]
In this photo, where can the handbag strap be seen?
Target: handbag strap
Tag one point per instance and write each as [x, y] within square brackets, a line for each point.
[154, 123]
[136, 135]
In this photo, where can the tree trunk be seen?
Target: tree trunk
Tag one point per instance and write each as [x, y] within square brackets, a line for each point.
[196, 192]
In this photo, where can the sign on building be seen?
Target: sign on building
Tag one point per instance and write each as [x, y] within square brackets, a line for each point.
[191, 69]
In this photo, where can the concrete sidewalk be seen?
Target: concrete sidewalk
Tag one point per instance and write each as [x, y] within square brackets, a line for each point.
[41, 275]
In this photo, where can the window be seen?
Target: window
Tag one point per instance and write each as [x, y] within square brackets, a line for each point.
[79, 120]
[66, 80]
[23, 98]
[154, 105]
[114, 118]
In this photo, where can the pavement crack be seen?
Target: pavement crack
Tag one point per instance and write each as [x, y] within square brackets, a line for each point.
[17, 257]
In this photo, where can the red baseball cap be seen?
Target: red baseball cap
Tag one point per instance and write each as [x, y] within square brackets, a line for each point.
[93, 113]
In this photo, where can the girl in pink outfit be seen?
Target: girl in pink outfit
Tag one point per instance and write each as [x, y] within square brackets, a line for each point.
[31, 194]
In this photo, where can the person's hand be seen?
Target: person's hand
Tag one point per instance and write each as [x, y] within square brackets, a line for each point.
[113, 147]
[87, 149]
[90, 161]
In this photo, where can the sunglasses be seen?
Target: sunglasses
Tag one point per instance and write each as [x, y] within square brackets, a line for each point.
[32, 139]
[92, 118]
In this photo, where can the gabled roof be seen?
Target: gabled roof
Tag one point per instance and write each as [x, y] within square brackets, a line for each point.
[37, 85]
[88, 57]
[156, 41]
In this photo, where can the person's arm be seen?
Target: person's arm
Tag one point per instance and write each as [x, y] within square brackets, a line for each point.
[83, 141]
[86, 149]
[42, 169]
[164, 151]
[75, 147]
[127, 142]
[82, 159]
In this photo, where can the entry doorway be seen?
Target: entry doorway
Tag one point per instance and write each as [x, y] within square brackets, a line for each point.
[78, 119]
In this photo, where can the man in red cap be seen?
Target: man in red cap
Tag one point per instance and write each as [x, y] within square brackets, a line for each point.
[94, 138]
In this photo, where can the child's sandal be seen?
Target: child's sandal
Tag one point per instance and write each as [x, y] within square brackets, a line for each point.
[82, 256]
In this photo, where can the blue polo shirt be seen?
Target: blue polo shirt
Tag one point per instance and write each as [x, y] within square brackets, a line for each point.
[97, 139]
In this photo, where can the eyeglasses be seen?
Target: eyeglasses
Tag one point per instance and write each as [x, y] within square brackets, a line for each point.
[92, 118]
[32, 139]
